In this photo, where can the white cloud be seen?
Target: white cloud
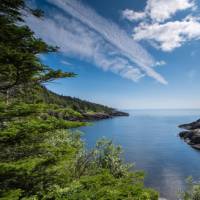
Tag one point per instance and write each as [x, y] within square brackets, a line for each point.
[160, 10]
[161, 32]
[160, 63]
[112, 34]
[170, 35]
[132, 15]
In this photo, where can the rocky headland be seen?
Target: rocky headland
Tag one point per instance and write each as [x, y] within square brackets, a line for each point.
[191, 135]
[100, 116]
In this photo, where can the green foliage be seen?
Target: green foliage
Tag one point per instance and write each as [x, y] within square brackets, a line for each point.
[34, 149]
[12, 8]
[101, 174]
[40, 159]
[104, 156]
[192, 191]
[72, 103]
[19, 49]
[104, 186]
[108, 156]
[65, 113]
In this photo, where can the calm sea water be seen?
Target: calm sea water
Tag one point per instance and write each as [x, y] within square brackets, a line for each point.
[149, 140]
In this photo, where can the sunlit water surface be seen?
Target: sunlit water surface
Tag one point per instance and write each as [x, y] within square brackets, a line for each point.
[149, 140]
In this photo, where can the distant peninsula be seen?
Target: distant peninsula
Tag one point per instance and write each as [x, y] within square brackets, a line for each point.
[75, 109]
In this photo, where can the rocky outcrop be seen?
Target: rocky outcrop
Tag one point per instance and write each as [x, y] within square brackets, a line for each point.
[119, 114]
[100, 116]
[192, 134]
[191, 126]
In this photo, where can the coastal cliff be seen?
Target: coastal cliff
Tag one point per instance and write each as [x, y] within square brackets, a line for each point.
[191, 135]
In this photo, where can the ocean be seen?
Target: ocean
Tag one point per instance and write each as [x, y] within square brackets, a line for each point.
[150, 140]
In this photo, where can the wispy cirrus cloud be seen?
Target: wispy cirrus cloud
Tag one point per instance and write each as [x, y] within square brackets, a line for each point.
[79, 31]
[77, 40]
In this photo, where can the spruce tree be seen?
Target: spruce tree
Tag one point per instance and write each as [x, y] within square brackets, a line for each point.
[32, 143]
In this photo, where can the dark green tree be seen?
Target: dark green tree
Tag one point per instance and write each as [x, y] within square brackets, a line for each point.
[29, 156]
[19, 50]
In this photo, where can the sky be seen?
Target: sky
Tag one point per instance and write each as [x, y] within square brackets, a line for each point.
[128, 54]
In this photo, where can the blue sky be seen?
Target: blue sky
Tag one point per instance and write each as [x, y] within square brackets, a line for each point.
[127, 54]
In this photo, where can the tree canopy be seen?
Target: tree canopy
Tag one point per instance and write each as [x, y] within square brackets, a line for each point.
[19, 49]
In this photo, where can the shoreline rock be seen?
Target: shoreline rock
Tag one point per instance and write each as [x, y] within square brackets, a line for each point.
[192, 134]
[191, 126]
[100, 116]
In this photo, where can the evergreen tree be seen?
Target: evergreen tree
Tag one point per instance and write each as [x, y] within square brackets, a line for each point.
[19, 49]
[29, 137]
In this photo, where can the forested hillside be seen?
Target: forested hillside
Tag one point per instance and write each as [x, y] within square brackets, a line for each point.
[65, 107]
[74, 103]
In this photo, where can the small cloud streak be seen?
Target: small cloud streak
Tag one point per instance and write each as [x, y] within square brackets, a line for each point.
[160, 63]
[64, 62]
[133, 15]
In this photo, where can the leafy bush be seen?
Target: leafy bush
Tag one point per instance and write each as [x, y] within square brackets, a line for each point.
[192, 191]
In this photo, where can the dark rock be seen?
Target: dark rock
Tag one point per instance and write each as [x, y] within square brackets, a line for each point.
[190, 126]
[195, 139]
[192, 135]
[119, 113]
[100, 116]
[96, 116]
[186, 134]
[196, 146]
